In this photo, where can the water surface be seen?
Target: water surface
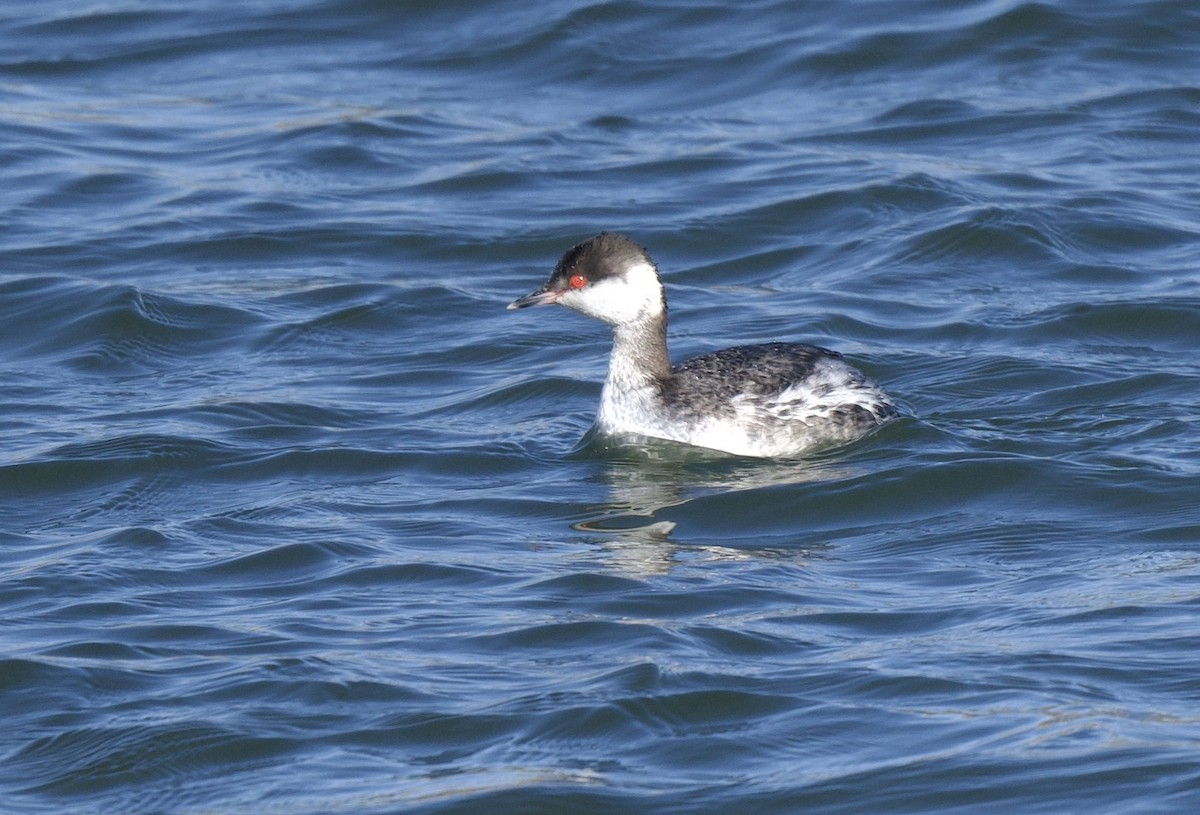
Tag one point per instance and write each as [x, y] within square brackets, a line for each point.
[294, 516]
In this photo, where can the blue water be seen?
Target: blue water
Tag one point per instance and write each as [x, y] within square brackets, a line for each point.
[295, 517]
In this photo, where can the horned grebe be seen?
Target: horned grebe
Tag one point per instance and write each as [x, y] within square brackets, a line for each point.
[775, 400]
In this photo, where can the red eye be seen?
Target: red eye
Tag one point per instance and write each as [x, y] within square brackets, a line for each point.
[577, 281]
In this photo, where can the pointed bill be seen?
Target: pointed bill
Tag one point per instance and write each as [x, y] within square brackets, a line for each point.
[541, 297]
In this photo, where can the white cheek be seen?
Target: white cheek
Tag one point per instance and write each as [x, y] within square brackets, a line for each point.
[636, 296]
[607, 300]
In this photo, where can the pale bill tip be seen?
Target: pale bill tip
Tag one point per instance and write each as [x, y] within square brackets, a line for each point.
[537, 298]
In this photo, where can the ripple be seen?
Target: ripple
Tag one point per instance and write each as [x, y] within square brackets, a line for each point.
[97, 760]
[116, 327]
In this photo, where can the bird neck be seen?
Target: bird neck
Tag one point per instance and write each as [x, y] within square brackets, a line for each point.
[639, 353]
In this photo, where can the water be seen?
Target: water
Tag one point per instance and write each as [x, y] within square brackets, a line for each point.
[294, 517]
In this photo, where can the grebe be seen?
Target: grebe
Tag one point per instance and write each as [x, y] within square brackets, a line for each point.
[773, 400]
